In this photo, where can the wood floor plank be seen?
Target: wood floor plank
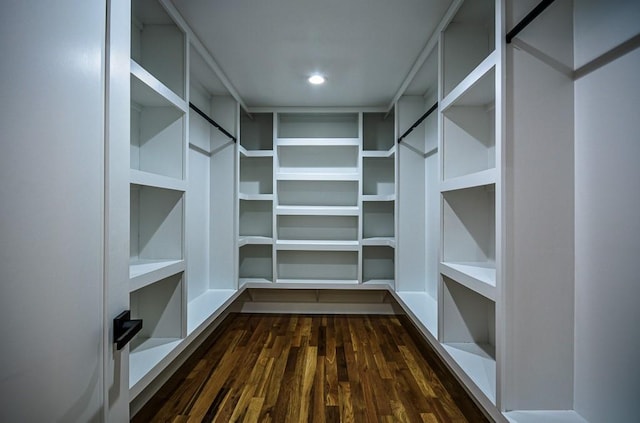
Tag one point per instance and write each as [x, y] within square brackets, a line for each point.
[309, 368]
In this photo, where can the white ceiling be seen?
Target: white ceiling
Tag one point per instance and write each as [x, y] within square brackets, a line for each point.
[365, 48]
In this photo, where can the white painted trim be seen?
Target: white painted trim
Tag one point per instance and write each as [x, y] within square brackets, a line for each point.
[318, 308]
[426, 51]
[206, 55]
[296, 109]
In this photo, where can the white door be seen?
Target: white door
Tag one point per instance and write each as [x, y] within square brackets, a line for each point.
[55, 271]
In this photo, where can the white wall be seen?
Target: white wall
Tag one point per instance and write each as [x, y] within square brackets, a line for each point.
[539, 286]
[51, 210]
[607, 217]
[224, 110]
[411, 190]
[198, 195]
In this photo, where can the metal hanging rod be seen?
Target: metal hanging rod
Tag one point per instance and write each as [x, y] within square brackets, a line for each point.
[527, 19]
[213, 122]
[418, 122]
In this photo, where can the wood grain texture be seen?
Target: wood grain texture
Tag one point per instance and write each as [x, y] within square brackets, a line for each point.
[312, 368]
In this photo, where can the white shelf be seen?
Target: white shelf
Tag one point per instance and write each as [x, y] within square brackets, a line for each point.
[255, 197]
[317, 142]
[378, 220]
[475, 88]
[328, 262]
[254, 240]
[254, 153]
[255, 261]
[326, 283]
[380, 241]
[318, 175]
[158, 44]
[378, 176]
[146, 355]
[318, 193]
[423, 307]
[469, 130]
[467, 40]
[318, 210]
[156, 223]
[544, 416]
[378, 263]
[255, 282]
[478, 277]
[138, 177]
[380, 154]
[207, 305]
[485, 177]
[379, 282]
[145, 272]
[468, 219]
[255, 219]
[139, 94]
[378, 132]
[323, 228]
[384, 197]
[324, 127]
[256, 175]
[477, 361]
[319, 245]
[256, 132]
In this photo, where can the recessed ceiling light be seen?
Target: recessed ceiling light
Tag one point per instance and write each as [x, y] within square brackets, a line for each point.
[316, 79]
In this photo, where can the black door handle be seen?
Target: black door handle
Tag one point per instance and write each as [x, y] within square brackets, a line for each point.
[124, 329]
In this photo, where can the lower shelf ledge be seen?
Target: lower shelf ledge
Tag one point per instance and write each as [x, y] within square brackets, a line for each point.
[144, 356]
[206, 306]
[544, 416]
[317, 283]
[422, 307]
[478, 363]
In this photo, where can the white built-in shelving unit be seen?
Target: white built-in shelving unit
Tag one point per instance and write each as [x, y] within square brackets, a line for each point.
[317, 170]
[180, 278]
[470, 109]
[319, 202]
[317, 199]
[158, 183]
[255, 199]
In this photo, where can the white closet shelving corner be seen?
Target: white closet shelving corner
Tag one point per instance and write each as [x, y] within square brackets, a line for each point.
[157, 187]
[470, 108]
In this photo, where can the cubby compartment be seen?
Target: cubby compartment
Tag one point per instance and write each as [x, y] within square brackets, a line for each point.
[469, 232]
[469, 332]
[318, 162]
[157, 132]
[156, 228]
[319, 227]
[256, 132]
[378, 176]
[318, 193]
[160, 306]
[255, 219]
[295, 266]
[158, 44]
[469, 130]
[378, 131]
[378, 219]
[467, 41]
[378, 264]
[256, 175]
[255, 263]
[318, 125]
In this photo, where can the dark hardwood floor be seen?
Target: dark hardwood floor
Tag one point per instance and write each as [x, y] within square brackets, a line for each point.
[312, 368]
